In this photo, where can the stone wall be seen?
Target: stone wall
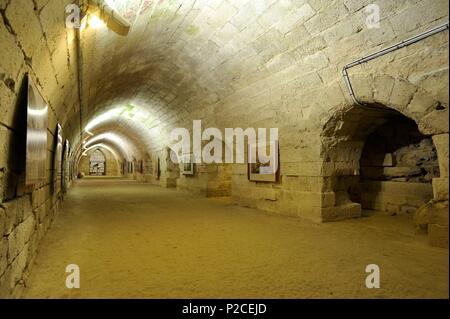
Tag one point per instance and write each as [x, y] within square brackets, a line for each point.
[230, 63]
[33, 41]
[210, 180]
[270, 64]
[277, 64]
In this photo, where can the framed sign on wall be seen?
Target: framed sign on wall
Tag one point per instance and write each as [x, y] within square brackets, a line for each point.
[187, 164]
[263, 172]
[36, 146]
[64, 165]
[59, 149]
[97, 163]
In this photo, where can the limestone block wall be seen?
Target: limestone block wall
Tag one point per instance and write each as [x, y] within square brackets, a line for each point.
[273, 64]
[240, 64]
[32, 42]
[300, 89]
[168, 172]
[210, 180]
[112, 164]
[296, 194]
[395, 197]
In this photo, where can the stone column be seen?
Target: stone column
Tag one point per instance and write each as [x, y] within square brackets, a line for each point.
[338, 177]
[440, 184]
[172, 171]
[438, 224]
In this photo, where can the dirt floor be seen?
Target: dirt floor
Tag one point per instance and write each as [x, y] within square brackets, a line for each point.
[135, 240]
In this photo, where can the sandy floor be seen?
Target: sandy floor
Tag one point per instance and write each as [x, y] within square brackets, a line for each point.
[137, 240]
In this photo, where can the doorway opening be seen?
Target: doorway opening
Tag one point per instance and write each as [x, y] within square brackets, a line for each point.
[97, 163]
[376, 160]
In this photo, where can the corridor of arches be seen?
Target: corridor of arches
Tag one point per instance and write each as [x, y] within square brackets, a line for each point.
[132, 134]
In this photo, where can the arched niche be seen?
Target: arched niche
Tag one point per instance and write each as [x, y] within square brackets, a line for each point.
[347, 127]
[375, 157]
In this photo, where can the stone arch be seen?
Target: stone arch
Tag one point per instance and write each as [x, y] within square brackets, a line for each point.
[425, 100]
[345, 131]
[414, 100]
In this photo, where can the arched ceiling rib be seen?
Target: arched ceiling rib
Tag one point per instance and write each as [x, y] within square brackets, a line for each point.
[120, 141]
[102, 146]
[169, 60]
[200, 59]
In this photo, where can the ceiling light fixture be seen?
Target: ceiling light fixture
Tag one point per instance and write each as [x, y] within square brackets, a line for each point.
[101, 14]
[95, 22]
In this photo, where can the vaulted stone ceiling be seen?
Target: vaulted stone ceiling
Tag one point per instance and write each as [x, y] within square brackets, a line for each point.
[230, 63]
[235, 61]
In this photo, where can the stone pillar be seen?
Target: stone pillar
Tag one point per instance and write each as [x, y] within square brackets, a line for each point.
[335, 199]
[172, 171]
[440, 184]
[438, 224]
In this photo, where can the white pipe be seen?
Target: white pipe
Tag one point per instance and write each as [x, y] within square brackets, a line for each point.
[385, 51]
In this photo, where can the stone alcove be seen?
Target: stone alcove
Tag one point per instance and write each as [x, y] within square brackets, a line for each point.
[371, 154]
[397, 166]
[345, 131]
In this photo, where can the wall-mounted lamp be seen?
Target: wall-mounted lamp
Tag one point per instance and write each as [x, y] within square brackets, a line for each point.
[98, 13]
[95, 22]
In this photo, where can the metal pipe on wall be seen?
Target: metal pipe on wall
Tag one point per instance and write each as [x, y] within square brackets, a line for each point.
[385, 51]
